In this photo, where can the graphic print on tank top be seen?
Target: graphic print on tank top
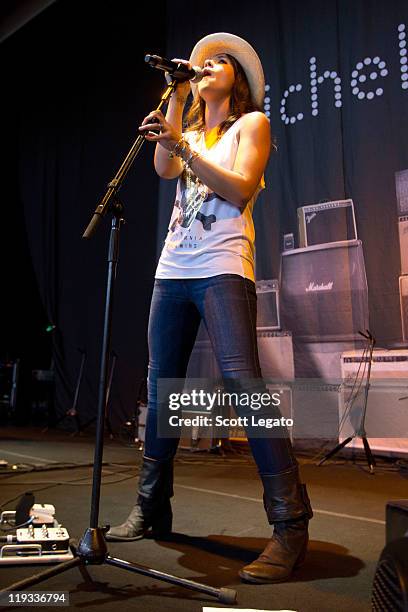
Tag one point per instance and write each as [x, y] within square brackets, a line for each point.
[193, 194]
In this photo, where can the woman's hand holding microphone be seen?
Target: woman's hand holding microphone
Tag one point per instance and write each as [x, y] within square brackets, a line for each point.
[168, 136]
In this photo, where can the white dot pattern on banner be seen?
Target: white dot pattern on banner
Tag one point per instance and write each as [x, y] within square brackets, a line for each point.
[362, 78]
[267, 102]
[285, 118]
[320, 79]
[403, 55]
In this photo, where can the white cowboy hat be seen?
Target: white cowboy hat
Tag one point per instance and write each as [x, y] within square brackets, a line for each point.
[222, 42]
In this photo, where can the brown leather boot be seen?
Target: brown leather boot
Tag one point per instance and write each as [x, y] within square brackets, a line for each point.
[288, 507]
[153, 507]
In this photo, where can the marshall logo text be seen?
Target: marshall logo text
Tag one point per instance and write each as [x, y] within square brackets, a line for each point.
[322, 287]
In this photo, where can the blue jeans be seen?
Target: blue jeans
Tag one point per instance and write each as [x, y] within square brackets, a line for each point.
[227, 304]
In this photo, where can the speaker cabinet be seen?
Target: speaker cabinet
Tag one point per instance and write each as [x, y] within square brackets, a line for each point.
[387, 405]
[390, 586]
[403, 290]
[390, 590]
[328, 222]
[396, 520]
[403, 242]
[401, 189]
[275, 356]
[267, 292]
[324, 294]
[285, 408]
[198, 437]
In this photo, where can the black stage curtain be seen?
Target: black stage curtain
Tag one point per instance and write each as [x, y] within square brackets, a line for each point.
[77, 90]
[347, 151]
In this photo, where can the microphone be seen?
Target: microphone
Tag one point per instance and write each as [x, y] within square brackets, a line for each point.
[175, 69]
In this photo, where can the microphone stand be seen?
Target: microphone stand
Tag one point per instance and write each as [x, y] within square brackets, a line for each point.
[107, 419]
[92, 548]
[361, 432]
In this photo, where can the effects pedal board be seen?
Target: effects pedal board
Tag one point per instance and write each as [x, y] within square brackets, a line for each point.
[35, 545]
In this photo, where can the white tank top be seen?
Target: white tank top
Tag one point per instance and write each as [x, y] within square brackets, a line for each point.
[208, 235]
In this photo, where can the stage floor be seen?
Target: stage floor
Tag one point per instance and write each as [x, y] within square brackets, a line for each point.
[219, 525]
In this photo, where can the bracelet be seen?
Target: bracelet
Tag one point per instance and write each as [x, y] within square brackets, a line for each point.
[178, 148]
[182, 147]
[193, 155]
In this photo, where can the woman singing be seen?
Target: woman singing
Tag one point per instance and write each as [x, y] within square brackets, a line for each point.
[206, 271]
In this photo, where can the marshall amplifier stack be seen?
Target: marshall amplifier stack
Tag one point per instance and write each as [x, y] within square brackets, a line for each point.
[401, 188]
[323, 289]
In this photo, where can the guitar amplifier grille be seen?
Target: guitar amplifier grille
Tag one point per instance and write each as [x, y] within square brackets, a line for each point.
[324, 293]
[328, 222]
[267, 292]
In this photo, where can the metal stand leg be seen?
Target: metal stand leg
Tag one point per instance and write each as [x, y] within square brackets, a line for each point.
[361, 433]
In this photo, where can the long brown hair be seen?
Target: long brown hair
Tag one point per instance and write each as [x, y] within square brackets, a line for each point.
[241, 102]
